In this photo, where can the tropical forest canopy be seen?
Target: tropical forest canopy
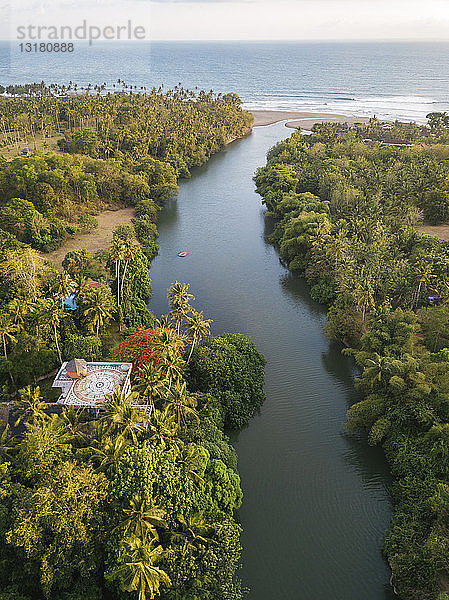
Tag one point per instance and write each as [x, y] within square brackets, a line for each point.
[71, 152]
[139, 500]
[345, 203]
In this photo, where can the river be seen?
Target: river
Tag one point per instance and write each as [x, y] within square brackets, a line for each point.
[315, 505]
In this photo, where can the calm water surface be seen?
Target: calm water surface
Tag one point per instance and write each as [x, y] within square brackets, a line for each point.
[390, 80]
[315, 503]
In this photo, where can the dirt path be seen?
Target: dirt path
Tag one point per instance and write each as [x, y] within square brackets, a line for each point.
[96, 240]
[441, 231]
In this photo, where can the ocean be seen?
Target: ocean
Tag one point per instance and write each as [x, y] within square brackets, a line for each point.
[390, 80]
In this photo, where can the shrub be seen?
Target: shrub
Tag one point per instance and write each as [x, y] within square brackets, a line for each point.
[87, 223]
[83, 346]
[230, 368]
[436, 206]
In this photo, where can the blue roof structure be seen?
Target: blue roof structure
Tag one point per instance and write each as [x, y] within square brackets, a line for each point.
[70, 302]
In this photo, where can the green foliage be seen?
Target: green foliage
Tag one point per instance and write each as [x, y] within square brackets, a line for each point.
[87, 223]
[232, 370]
[436, 206]
[84, 141]
[87, 346]
[139, 315]
[344, 209]
[119, 153]
[72, 485]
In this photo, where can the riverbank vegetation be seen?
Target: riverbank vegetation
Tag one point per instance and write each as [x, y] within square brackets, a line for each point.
[128, 147]
[126, 503]
[344, 204]
[129, 504]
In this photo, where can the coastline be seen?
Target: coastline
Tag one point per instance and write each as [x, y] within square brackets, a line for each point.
[299, 119]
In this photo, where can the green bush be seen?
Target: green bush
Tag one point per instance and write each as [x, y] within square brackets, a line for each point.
[83, 346]
[230, 368]
[87, 223]
[436, 206]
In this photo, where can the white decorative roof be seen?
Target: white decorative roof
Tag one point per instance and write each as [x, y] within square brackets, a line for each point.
[90, 391]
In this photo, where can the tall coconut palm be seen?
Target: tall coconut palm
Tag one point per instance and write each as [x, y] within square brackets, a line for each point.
[181, 405]
[198, 328]
[106, 450]
[123, 417]
[365, 296]
[173, 365]
[30, 405]
[379, 370]
[424, 276]
[150, 383]
[75, 422]
[7, 330]
[19, 308]
[139, 571]
[98, 308]
[54, 315]
[63, 286]
[161, 427]
[143, 520]
[193, 460]
[194, 533]
[121, 254]
[179, 298]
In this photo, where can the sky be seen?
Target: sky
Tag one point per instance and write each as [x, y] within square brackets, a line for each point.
[240, 19]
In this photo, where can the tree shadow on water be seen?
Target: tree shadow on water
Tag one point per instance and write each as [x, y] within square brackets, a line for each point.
[367, 461]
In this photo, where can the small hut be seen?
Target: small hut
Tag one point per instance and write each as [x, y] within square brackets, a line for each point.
[76, 368]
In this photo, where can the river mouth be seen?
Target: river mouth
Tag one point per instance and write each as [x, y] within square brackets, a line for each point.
[315, 505]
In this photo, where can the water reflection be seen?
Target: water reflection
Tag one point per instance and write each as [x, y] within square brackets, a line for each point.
[315, 506]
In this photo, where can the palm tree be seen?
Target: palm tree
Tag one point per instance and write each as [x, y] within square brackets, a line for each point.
[173, 365]
[75, 425]
[161, 427]
[54, 315]
[193, 460]
[198, 328]
[142, 520]
[19, 309]
[105, 449]
[164, 322]
[424, 276]
[365, 296]
[63, 286]
[194, 533]
[150, 383]
[121, 252]
[30, 405]
[139, 571]
[47, 436]
[98, 308]
[180, 405]
[379, 370]
[179, 298]
[124, 419]
[7, 330]
[7, 444]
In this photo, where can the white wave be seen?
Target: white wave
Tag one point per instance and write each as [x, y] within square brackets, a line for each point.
[409, 108]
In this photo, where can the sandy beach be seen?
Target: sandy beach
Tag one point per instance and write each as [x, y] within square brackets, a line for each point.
[304, 120]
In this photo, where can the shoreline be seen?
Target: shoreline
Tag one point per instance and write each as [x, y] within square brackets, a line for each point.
[299, 119]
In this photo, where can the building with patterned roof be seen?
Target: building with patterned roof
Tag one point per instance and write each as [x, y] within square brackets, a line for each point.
[86, 384]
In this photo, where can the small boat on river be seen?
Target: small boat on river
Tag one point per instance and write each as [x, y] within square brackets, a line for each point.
[182, 254]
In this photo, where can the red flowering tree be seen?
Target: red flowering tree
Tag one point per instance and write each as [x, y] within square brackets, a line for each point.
[147, 346]
[141, 348]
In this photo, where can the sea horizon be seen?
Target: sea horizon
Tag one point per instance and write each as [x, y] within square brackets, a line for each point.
[391, 80]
